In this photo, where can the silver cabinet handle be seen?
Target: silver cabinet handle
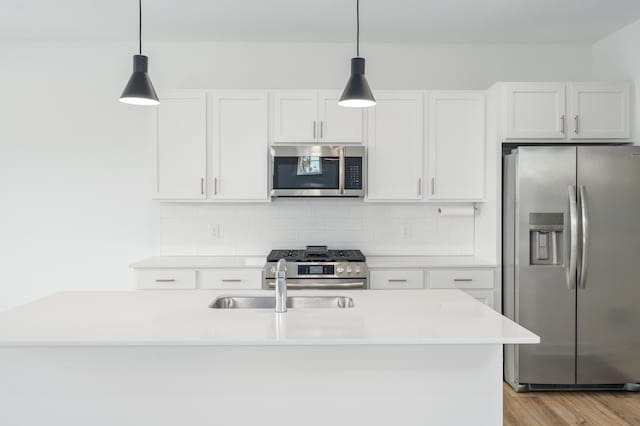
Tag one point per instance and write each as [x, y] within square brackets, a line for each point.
[433, 186]
[215, 186]
[394, 280]
[584, 261]
[577, 130]
[314, 129]
[231, 280]
[573, 217]
[167, 280]
[201, 186]
[462, 280]
[321, 129]
[419, 186]
[562, 123]
[341, 170]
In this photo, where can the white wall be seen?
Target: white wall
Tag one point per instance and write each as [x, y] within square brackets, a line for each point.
[75, 164]
[616, 57]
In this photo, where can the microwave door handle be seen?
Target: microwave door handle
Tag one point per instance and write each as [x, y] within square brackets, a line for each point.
[341, 167]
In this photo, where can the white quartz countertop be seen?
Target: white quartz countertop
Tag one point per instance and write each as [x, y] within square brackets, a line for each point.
[183, 318]
[254, 262]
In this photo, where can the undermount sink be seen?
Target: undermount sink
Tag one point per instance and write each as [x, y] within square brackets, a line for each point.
[294, 302]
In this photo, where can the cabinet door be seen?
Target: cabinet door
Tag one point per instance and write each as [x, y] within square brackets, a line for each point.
[396, 280]
[535, 111]
[239, 155]
[295, 116]
[339, 124]
[600, 110]
[456, 145]
[395, 147]
[181, 142]
[482, 296]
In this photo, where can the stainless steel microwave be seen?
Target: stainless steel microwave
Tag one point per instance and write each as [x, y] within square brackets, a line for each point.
[317, 171]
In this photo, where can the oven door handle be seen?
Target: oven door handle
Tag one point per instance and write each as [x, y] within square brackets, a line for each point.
[311, 284]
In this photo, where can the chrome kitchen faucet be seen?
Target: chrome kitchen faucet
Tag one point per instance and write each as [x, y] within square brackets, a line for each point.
[281, 286]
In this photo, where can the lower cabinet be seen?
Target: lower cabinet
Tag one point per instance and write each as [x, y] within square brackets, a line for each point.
[478, 283]
[166, 279]
[191, 279]
[483, 296]
[396, 279]
[240, 279]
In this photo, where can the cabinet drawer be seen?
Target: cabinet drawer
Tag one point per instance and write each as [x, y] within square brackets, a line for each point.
[397, 279]
[483, 296]
[231, 279]
[462, 278]
[166, 279]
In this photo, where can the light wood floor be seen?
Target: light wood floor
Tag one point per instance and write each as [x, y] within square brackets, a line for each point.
[571, 408]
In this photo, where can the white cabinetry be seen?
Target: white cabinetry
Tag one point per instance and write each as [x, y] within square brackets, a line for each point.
[600, 110]
[238, 279]
[480, 283]
[314, 117]
[534, 110]
[395, 147]
[181, 141]
[396, 279]
[239, 140]
[457, 145]
[166, 279]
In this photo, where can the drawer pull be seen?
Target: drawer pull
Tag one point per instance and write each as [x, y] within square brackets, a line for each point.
[397, 281]
[462, 280]
[166, 281]
[231, 280]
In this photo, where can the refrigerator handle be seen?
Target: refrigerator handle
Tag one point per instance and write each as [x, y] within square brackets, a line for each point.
[573, 250]
[585, 237]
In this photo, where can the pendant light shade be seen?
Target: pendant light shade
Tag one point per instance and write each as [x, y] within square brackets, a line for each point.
[139, 89]
[357, 93]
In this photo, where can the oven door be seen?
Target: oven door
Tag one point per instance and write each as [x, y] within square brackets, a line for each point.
[317, 171]
[321, 283]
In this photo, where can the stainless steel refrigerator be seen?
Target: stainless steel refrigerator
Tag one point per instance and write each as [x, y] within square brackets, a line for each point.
[571, 265]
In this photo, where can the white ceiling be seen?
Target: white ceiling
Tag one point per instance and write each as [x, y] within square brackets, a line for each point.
[419, 21]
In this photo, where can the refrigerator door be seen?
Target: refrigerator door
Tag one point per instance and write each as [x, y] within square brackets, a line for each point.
[608, 316]
[545, 295]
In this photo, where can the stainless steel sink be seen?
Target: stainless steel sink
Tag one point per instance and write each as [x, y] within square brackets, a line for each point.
[295, 302]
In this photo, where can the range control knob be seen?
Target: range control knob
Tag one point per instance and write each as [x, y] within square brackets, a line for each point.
[339, 269]
[348, 269]
[273, 269]
[357, 269]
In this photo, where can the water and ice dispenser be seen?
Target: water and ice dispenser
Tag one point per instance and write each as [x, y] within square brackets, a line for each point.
[546, 240]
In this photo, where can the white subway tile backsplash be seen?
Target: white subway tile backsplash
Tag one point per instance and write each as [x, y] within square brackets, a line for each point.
[254, 229]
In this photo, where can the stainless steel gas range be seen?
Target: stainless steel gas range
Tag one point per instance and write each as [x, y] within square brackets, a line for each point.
[317, 267]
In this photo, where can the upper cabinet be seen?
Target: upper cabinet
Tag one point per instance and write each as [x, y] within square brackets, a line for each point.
[395, 147]
[239, 145]
[535, 110]
[457, 145]
[181, 144]
[600, 110]
[314, 117]
[567, 111]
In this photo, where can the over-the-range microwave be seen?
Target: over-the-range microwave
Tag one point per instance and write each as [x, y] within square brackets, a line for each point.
[317, 171]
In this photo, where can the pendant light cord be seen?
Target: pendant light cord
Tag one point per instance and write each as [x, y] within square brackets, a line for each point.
[357, 28]
[140, 26]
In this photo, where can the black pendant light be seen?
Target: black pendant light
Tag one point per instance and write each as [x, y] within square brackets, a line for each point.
[139, 90]
[357, 94]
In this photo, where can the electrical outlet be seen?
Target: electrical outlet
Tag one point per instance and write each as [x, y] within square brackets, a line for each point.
[405, 230]
[214, 231]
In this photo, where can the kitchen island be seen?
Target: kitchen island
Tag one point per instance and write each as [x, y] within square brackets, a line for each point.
[411, 357]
